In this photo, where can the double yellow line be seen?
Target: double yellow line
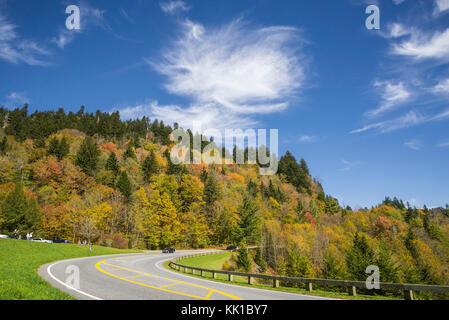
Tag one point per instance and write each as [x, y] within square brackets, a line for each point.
[161, 288]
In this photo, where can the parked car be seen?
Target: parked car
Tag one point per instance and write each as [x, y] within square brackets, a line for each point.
[59, 240]
[231, 247]
[41, 240]
[168, 250]
[4, 236]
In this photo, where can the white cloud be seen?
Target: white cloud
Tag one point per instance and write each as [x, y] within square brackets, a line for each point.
[444, 144]
[15, 100]
[398, 1]
[397, 30]
[172, 7]
[441, 5]
[348, 165]
[423, 46]
[89, 16]
[393, 95]
[307, 139]
[16, 50]
[413, 144]
[442, 86]
[231, 73]
[410, 119]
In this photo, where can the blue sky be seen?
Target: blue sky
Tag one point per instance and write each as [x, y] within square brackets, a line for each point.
[367, 109]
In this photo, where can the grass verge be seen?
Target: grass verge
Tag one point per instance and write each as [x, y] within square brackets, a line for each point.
[20, 260]
[215, 262]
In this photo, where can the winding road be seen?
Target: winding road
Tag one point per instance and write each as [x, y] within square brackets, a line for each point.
[143, 277]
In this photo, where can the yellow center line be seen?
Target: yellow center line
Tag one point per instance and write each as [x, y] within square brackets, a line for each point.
[169, 285]
[97, 266]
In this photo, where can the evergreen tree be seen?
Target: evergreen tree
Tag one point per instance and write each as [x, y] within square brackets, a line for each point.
[87, 156]
[112, 164]
[388, 270]
[243, 259]
[332, 206]
[248, 229]
[252, 188]
[203, 175]
[53, 147]
[19, 212]
[129, 153]
[3, 145]
[258, 259]
[211, 191]
[124, 185]
[63, 149]
[359, 257]
[295, 174]
[300, 210]
[150, 166]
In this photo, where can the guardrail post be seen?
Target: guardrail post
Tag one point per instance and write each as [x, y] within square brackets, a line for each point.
[352, 291]
[310, 287]
[230, 277]
[214, 275]
[250, 280]
[409, 295]
[275, 283]
[202, 273]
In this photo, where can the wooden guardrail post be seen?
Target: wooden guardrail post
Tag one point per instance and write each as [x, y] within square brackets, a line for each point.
[230, 277]
[310, 286]
[408, 294]
[250, 280]
[275, 283]
[214, 275]
[202, 273]
[352, 291]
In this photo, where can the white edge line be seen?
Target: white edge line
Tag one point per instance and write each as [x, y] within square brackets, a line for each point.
[66, 285]
[158, 265]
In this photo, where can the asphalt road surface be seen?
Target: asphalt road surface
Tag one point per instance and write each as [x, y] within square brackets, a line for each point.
[143, 277]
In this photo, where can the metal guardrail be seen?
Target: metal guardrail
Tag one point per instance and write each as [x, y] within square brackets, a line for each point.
[408, 289]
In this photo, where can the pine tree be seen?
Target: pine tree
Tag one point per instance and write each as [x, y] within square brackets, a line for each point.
[124, 185]
[150, 166]
[19, 212]
[243, 259]
[53, 147]
[300, 210]
[248, 229]
[388, 270]
[295, 174]
[211, 191]
[258, 259]
[3, 145]
[112, 164]
[359, 257]
[63, 149]
[129, 153]
[87, 156]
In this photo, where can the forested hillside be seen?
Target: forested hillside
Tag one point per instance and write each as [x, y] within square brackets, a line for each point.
[85, 176]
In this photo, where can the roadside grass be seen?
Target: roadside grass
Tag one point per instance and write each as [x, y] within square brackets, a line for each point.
[215, 262]
[20, 260]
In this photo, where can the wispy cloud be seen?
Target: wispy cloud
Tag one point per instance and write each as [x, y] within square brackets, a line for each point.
[15, 99]
[348, 165]
[308, 139]
[173, 7]
[393, 95]
[441, 6]
[17, 50]
[444, 144]
[410, 119]
[422, 46]
[89, 16]
[413, 144]
[442, 86]
[231, 73]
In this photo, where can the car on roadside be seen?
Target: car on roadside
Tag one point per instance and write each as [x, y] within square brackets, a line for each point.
[41, 240]
[59, 240]
[231, 248]
[3, 236]
[168, 250]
